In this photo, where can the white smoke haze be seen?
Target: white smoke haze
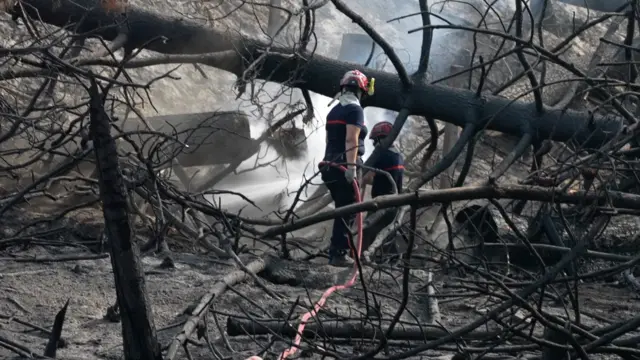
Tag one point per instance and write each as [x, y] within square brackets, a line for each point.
[283, 179]
[272, 185]
[450, 52]
[278, 179]
[599, 5]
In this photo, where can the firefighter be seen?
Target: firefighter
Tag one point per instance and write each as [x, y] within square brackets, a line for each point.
[391, 161]
[345, 135]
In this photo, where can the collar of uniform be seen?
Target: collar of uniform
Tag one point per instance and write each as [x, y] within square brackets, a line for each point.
[348, 98]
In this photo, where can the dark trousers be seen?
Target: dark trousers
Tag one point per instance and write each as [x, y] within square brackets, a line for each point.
[389, 248]
[342, 194]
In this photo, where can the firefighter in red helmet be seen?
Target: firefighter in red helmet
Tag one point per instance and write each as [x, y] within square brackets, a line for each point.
[346, 131]
[391, 161]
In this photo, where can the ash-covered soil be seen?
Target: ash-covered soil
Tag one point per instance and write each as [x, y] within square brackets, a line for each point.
[33, 290]
[34, 285]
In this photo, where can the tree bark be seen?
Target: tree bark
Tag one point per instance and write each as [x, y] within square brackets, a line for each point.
[341, 329]
[138, 329]
[310, 72]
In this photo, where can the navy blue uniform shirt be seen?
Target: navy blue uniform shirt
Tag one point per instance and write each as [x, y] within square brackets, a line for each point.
[337, 120]
[391, 161]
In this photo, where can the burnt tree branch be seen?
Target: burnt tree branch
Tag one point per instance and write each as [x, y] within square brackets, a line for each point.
[427, 39]
[138, 329]
[386, 47]
[56, 332]
[422, 198]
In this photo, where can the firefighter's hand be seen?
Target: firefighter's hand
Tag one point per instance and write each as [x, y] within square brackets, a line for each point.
[350, 174]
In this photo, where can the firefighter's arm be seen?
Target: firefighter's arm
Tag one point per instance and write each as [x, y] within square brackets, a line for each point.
[351, 143]
[355, 122]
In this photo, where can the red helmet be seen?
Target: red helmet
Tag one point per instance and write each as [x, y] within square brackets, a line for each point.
[382, 128]
[355, 78]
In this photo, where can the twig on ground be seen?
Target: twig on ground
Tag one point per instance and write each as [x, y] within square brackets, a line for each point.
[25, 323]
[61, 258]
[18, 348]
[253, 275]
[205, 301]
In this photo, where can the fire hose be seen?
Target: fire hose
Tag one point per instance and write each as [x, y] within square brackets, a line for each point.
[349, 283]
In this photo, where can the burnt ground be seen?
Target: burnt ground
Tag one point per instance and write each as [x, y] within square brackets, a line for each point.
[32, 290]
[35, 283]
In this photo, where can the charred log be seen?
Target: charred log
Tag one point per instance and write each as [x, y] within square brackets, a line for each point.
[340, 329]
[198, 139]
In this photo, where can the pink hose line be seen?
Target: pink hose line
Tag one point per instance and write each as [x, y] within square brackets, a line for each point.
[349, 283]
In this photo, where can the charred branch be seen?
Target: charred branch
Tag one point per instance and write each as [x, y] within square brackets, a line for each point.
[433, 145]
[425, 198]
[205, 302]
[427, 37]
[523, 60]
[467, 133]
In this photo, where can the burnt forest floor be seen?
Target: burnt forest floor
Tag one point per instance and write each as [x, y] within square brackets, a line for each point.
[34, 285]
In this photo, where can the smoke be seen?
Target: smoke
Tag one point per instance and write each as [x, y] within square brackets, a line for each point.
[265, 178]
[447, 51]
[599, 5]
[270, 185]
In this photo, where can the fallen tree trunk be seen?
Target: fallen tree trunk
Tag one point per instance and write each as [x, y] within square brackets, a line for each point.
[213, 138]
[310, 72]
[343, 329]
